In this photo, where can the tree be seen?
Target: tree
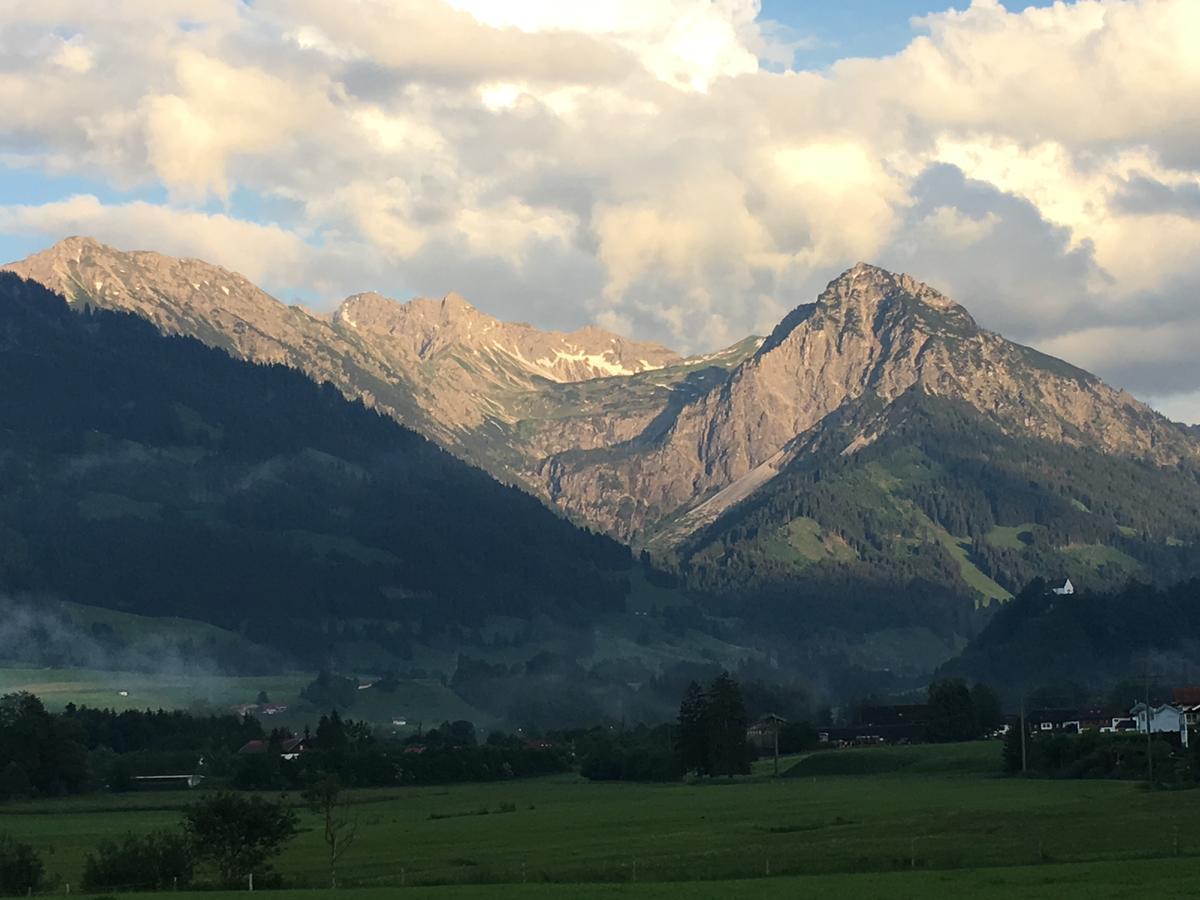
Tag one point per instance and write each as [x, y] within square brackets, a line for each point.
[951, 713]
[331, 734]
[21, 868]
[48, 749]
[121, 778]
[238, 835]
[14, 783]
[693, 730]
[726, 719]
[156, 861]
[329, 690]
[989, 715]
[326, 798]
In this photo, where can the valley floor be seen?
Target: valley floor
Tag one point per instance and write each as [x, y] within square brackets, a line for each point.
[1094, 881]
[929, 822]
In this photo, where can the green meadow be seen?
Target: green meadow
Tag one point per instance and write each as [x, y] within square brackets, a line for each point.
[886, 822]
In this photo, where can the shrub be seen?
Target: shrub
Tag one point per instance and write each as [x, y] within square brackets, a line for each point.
[21, 868]
[157, 861]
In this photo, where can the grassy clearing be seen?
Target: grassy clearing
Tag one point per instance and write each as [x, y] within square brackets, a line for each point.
[1010, 536]
[418, 701]
[971, 573]
[1096, 881]
[803, 541]
[102, 688]
[939, 810]
[1097, 555]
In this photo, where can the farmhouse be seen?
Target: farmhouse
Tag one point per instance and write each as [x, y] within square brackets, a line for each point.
[1075, 720]
[1066, 589]
[288, 748]
[764, 733]
[895, 724]
[1165, 719]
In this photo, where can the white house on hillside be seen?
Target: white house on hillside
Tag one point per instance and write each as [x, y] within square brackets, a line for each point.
[1165, 719]
[1067, 588]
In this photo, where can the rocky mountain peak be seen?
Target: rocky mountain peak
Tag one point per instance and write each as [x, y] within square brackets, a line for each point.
[868, 302]
[76, 243]
[876, 298]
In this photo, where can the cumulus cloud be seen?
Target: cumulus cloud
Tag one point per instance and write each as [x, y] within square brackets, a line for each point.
[262, 253]
[651, 165]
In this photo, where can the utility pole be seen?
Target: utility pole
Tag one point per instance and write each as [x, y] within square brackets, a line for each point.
[1149, 735]
[775, 731]
[1024, 753]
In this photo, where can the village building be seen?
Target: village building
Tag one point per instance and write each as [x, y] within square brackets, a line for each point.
[1075, 720]
[289, 747]
[891, 724]
[764, 733]
[1165, 719]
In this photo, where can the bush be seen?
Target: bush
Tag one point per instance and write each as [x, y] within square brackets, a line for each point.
[1096, 755]
[21, 868]
[157, 861]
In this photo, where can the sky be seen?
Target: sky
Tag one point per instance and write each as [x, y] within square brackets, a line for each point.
[685, 171]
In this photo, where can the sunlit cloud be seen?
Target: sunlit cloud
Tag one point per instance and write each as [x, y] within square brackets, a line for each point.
[654, 166]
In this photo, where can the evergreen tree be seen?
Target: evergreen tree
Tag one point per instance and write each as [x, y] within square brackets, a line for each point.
[726, 717]
[989, 716]
[693, 730]
[951, 712]
[331, 733]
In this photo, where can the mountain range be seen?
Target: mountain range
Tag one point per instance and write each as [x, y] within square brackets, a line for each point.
[879, 463]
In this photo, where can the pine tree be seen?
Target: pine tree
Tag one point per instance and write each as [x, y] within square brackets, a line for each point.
[693, 730]
[729, 752]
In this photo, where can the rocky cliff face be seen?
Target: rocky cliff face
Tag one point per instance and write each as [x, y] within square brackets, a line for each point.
[624, 435]
[871, 334]
[502, 395]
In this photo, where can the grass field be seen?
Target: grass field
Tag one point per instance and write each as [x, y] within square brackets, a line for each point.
[1096, 881]
[887, 822]
[1096, 555]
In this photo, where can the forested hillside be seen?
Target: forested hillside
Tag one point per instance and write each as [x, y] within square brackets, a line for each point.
[1091, 640]
[155, 475]
[937, 510]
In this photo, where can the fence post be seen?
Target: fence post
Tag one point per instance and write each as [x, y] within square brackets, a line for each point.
[250, 879]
